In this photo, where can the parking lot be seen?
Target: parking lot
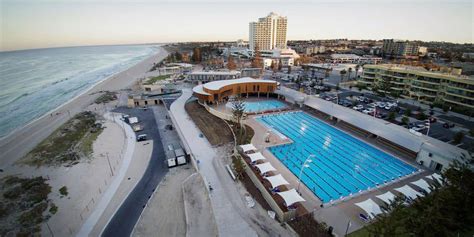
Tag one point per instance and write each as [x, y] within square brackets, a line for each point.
[432, 122]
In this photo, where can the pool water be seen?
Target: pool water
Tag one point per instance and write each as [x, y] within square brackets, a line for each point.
[341, 165]
[263, 105]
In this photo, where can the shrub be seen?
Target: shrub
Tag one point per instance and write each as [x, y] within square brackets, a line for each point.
[63, 191]
[405, 120]
[421, 116]
[53, 209]
[458, 137]
[391, 116]
[407, 112]
[33, 216]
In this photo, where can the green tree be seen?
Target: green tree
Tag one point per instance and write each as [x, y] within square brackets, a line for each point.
[197, 58]
[178, 56]
[280, 65]
[349, 72]
[384, 85]
[407, 112]
[231, 64]
[357, 67]
[405, 120]
[257, 59]
[238, 110]
[391, 116]
[289, 69]
[239, 167]
[421, 116]
[390, 222]
[342, 73]
[274, 67]
[458, 137]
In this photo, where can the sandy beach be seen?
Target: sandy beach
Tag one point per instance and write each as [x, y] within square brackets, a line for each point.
[20, 142]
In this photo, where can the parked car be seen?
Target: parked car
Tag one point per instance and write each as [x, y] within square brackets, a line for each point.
[358, 107]
[141, 137]
[432, 119]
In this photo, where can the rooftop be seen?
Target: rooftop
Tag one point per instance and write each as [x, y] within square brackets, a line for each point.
[216, 85]
[421, 70]
[215, 73]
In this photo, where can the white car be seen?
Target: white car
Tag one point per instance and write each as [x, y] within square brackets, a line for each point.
[358, 107]
[367, 111]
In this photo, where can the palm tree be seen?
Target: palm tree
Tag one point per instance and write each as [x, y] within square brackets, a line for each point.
[342, 72]
[349, 74]
[357, 67]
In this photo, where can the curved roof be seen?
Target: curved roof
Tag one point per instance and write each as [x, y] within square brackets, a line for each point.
[199, 89]
[216, 85]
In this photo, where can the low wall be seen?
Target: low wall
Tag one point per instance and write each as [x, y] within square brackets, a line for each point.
[218, 114]
[281, 215]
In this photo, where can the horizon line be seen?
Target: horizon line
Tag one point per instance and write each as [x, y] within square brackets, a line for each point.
[211, 41]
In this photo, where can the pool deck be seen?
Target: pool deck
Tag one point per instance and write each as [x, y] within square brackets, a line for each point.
[340, 212]
[221, 107]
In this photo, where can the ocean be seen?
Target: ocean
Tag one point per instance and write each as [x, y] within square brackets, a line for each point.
[36, 81]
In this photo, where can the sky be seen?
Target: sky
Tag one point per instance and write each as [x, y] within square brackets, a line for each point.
[26, 24]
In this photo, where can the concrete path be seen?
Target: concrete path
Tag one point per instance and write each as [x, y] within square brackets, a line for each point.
[199, 216]
[126, 216]
[228, 218]
[110, 192]
[164, 213]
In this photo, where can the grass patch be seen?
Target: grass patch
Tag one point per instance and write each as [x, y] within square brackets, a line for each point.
[152, 80]
[106, 97]
[214, 128]
[23, 202]
[68, 144]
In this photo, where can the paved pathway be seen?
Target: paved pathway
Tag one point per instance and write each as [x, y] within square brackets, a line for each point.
[110, 192]
[125, 218]
[229, 221]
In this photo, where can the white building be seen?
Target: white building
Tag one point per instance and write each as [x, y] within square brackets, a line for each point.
[286, 56]
[422, 51]
[354, 59]
[268, 33]
[208, 76]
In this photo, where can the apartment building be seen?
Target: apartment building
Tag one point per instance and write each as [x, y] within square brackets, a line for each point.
[451, 89]
[208, 76]
[352, 58]
[399, 48]
[268, 32]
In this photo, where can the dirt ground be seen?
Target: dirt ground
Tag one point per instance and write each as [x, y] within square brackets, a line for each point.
[164, 212]
[198, 211]
[214, 128]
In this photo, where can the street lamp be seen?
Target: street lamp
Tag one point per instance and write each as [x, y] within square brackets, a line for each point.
[305, 165]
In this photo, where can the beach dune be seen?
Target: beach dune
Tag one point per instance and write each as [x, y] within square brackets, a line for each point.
[20, 142]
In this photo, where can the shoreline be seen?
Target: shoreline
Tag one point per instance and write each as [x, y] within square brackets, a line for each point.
[21, 140]
[90, 88]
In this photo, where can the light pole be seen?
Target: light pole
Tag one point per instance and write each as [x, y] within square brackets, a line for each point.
[305, 165]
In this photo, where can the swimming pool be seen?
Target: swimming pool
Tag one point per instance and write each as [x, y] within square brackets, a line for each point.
[342, 165]
[262, 105]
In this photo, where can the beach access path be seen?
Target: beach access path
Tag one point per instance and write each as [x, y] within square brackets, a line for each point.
[20, 142]
[229, 220]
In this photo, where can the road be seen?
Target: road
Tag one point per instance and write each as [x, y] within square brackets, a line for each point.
[124, 220]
